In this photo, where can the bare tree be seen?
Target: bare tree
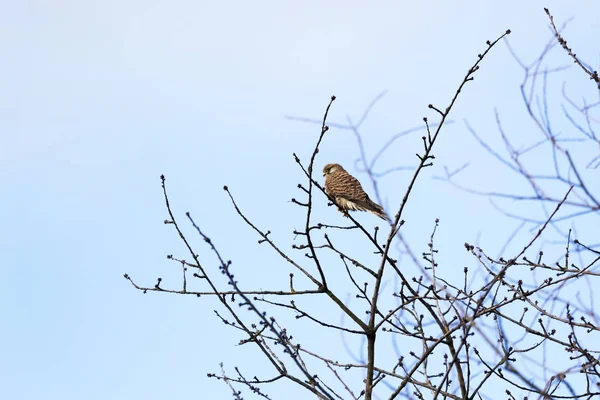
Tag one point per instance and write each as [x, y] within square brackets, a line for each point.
[426, 336]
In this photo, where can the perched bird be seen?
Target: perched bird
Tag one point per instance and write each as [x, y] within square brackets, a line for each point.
[346, 192]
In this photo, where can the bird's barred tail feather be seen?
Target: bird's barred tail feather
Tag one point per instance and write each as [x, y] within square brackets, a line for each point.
[378, 210]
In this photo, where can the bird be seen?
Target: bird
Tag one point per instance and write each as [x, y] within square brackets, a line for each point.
[347, 193]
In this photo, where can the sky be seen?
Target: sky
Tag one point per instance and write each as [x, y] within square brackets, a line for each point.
[102, 97]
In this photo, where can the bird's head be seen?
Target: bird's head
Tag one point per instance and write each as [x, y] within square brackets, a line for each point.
[331, 168]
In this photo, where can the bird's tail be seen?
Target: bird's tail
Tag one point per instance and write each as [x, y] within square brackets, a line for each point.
[378, 210]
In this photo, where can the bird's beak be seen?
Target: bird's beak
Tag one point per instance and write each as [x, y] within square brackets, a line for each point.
[323, 173]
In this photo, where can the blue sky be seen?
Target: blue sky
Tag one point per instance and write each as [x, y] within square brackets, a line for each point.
[100, 98]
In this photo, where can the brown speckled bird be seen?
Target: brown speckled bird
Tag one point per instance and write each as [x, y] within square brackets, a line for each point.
[347, 192]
